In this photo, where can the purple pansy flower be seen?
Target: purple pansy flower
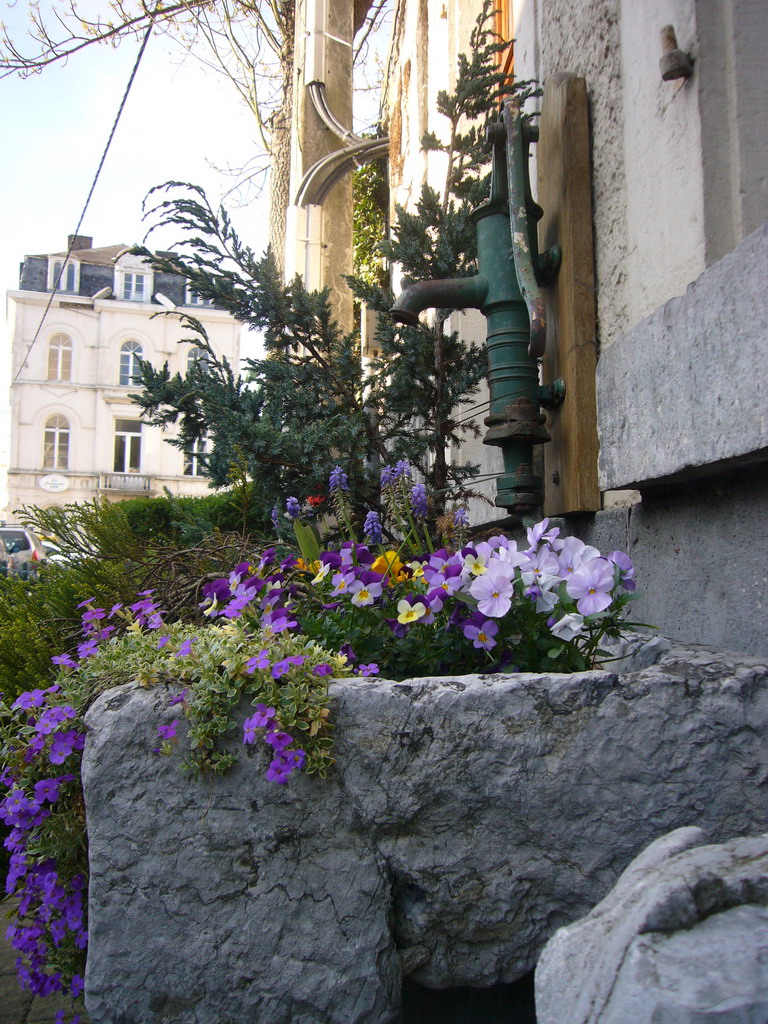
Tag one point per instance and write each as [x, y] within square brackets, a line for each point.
[481, 635]
[591, 585]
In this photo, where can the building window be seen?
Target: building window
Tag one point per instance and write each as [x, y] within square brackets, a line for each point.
[197, 355]
[193, 464]
[60, 357]
[127, 446]
[56, 443]
[68, 278]
[130, 356]
[191, 298]
[135, 287]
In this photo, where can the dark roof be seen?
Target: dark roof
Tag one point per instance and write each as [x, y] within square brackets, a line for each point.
[104, 256]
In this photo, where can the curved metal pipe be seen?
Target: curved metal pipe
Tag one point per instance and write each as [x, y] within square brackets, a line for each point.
[348, 164]
[319, 99]
[323, 175]
[450, 293]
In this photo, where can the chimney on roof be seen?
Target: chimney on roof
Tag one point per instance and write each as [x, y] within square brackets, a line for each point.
[75, 242]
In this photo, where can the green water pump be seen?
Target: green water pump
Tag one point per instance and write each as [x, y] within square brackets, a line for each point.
[507, 290]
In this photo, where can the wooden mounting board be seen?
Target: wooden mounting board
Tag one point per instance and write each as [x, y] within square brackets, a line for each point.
[564, 179]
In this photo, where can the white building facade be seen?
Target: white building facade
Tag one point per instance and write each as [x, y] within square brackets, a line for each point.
[75, 432]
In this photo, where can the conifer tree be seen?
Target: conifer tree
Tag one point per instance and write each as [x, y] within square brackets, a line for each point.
[306, 405]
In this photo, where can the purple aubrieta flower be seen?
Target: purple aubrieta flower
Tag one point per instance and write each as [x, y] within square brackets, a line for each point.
[323, 669]
[281, 668]
[262, 718]
[30, 699]
[168, 732]
[260, 660]
[292, 508]
[87, 649]
[296, 758]
[52, 718]
[338, 480]
[92, 614]
[64, 744]
[372, 669]
[279, 770]
[278, 740]
[64, 659]
[185, 648]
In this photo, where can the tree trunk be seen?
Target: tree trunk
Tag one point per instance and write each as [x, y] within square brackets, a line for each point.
[280, 170]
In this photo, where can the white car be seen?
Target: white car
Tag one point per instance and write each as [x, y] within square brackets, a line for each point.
[25, 548]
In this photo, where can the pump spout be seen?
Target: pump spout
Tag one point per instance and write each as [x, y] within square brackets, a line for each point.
[450, 293]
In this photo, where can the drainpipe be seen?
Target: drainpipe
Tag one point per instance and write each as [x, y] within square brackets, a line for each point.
[323, 175]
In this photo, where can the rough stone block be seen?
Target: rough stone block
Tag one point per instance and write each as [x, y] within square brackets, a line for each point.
[468, 818]
[685, 388]
[683, 937]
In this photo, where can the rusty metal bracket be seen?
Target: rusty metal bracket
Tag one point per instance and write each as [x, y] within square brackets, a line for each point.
[521, 420]
[532, 270]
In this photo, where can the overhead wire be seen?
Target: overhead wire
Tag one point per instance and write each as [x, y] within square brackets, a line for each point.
[74, 236]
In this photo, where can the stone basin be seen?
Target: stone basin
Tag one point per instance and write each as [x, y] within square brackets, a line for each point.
[466, 820]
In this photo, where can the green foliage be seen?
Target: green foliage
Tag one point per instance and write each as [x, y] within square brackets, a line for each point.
[112, 551]
[41, 619]
[305, 406]
[370, 197]
[171, 519]
[299, 406]
[214, 679]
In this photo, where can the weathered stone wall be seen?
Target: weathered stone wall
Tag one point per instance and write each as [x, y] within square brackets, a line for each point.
[683, 937]
[699, 549]
[699, 379]
[468, 818]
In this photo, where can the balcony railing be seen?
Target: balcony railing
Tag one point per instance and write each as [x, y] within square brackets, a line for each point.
[132, 483]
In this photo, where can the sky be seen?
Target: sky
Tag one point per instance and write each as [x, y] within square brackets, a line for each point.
[180, 118]
[181, 121]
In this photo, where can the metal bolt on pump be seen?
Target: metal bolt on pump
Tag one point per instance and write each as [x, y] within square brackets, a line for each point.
[506, 290]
